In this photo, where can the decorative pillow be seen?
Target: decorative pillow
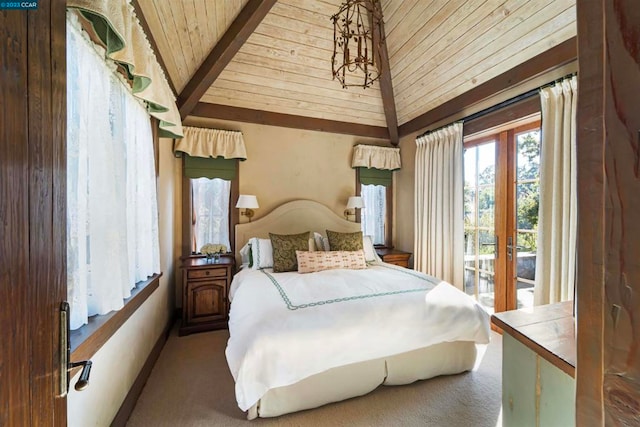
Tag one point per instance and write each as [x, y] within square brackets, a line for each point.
[284, 250]
[245, 254]
[370, 253]
[261, 253]
[309, 262]
[317, 238]
[345, 241]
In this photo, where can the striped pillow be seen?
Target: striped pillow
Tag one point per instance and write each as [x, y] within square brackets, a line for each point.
[309, 262]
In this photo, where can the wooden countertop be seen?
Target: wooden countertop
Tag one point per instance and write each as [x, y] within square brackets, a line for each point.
[549, 330]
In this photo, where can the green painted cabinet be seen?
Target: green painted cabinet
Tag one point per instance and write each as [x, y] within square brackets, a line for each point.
[534, 392]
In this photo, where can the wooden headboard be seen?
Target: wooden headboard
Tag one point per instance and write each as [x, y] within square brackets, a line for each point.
[293, 217]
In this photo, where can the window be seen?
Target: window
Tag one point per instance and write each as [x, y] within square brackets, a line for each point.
[112, 213]
[374, 186]
[210, 212]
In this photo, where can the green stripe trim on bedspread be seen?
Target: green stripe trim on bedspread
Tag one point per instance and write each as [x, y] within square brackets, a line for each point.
[292, 306]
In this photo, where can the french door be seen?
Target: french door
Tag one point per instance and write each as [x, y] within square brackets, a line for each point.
[501, 198]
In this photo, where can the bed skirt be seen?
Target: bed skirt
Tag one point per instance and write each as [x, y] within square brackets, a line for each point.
[358, 379]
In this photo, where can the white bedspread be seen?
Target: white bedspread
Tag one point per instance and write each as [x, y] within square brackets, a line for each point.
[285, 327]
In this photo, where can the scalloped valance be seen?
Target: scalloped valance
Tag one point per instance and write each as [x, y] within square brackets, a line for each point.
[373, 156]
[201, 142]
[116, 24]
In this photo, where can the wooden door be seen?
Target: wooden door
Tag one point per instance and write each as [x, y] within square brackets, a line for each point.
[608, 148]
[32, 213]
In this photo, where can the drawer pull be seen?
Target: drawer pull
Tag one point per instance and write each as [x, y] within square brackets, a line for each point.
[207, 272]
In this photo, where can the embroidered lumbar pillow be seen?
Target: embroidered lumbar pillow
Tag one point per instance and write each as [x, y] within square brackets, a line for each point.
[309, 262]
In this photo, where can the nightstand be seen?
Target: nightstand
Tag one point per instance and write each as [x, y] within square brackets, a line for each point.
[205, 289]
[394, 256]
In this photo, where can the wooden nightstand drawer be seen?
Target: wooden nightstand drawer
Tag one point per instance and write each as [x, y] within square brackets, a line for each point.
[395, 257]
[206, 273]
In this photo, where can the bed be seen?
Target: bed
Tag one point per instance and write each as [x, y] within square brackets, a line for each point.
[299, 341]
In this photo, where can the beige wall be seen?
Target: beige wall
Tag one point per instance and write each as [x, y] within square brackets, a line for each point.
[117, 364]
[286, 164]
[404, 197]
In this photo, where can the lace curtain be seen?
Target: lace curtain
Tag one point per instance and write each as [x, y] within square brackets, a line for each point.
[374, 212]
[112, 218]
[210, 211]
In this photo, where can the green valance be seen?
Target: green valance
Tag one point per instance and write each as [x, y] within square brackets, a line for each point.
[373, 176]
[207, 167]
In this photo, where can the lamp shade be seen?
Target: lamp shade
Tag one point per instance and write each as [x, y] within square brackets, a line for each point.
[246, 201]
[355, 202]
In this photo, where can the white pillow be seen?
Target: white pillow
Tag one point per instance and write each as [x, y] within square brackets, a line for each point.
[245, 253]
[370, 253]
[262, 253]
[317, 239]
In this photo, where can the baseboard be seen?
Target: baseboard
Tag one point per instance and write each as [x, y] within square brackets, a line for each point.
[120, 420]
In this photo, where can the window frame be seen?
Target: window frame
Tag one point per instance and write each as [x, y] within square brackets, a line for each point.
[388, 220]
[187, 212]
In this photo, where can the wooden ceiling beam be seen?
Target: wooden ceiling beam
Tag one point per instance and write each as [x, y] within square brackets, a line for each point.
[386, 86]
[559, 55]
[222, 53]
[246, 115]
[152, 41]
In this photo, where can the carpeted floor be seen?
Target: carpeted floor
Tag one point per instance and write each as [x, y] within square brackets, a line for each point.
[191, 386]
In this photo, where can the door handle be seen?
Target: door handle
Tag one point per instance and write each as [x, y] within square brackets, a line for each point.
[511, 247]
[65, 354]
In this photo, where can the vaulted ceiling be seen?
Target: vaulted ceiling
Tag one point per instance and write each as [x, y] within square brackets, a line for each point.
[437, 50]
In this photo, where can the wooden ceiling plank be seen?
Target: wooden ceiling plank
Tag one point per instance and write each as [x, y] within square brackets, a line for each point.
[223, 112]
[232, 40]
[221, 19]
[170, 29]
[482, 33]
[436, 26]
[182, 32]
[211, 17]
[278, 97]
[397, 15]
[552, 58]
[416, 22]
[461, 84]
[284, 82]
[294, 48]
[297, 109]
[192, 17]
[510, 45]
[147, 30]
[324, 44]
[295, 27]
[267, 67]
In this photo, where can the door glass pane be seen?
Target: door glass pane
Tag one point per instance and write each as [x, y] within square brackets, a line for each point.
[479, 218]
[527, 201]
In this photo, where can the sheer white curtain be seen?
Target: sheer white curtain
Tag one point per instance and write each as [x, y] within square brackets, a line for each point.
[439, 234]
[211, 211]
[556, 255]
[374, 212]
[112, 218]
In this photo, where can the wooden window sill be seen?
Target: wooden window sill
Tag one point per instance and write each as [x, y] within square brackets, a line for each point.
[88, 339]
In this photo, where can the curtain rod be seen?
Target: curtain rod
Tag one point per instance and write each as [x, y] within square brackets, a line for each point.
[503, 104]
